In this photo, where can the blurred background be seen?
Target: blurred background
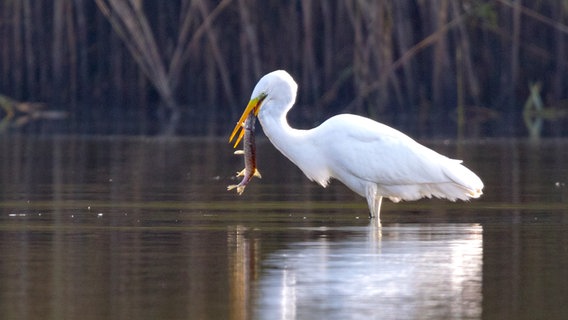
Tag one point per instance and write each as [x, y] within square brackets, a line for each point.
[187, 67]
[101, 217]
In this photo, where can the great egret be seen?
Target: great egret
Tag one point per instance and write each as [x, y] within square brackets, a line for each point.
[370, 158]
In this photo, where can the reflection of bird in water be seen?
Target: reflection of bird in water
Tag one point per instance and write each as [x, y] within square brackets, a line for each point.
[370, 158]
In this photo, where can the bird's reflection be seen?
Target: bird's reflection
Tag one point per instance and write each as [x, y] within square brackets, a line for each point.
[431, 271]
[375, 230]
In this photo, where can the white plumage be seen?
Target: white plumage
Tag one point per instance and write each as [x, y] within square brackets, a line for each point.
[370, 158]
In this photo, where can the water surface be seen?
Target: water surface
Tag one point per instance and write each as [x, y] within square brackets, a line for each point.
[127, 227]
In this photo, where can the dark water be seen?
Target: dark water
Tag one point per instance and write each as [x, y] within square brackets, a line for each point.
[143, 228]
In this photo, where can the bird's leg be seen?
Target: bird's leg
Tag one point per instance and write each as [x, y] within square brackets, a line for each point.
[379, 202]
[374, 201]
[375, 212]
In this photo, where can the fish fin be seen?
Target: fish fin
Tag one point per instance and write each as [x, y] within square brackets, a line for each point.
[231, 187]
[257, 173]
[241, 173]
[240, 152]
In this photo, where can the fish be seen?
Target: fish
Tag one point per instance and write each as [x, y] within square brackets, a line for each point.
[249, 153]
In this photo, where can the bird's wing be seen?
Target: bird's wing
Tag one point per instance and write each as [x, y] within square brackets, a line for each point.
[375, 152]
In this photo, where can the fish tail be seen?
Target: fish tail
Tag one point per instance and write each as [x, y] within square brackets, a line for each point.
[240, 189]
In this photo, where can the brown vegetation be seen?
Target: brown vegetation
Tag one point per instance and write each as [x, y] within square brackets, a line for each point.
[401, 61]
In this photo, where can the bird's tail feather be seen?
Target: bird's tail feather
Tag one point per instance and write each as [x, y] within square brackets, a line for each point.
[462, 184]
[465, 180]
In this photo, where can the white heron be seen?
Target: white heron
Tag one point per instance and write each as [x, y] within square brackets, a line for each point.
[370, 158]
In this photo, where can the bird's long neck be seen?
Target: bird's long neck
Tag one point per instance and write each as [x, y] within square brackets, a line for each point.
[297, 145]
[285, 138]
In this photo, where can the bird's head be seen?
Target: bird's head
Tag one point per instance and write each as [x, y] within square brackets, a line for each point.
[278, 87]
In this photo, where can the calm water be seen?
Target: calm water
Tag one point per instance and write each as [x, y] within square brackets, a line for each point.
[143, 228]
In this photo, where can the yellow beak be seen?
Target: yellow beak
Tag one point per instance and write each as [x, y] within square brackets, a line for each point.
[253, 106]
